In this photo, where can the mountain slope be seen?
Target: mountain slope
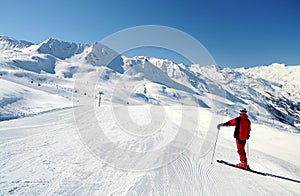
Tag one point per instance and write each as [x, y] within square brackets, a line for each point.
[7, 43]
[60, 49]
[286, 77]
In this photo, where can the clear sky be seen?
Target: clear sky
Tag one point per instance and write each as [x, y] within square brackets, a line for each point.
[236, 32]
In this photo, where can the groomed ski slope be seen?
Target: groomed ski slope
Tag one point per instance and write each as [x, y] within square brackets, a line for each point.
[45, 155]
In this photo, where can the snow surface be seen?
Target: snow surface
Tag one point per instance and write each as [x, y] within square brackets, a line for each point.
[154, 131]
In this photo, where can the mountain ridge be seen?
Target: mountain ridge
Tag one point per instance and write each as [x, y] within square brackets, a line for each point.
[10, 43]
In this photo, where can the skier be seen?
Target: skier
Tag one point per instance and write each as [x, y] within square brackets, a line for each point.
[242, 133]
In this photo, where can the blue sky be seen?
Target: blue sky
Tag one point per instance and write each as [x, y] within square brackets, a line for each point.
[236, 32]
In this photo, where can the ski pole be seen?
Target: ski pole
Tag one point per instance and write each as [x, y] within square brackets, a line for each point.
[212, 158]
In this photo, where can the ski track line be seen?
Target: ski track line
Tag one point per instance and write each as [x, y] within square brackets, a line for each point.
[159, 179]
[184, 174]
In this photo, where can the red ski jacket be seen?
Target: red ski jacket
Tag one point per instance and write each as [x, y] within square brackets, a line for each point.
[242, 127]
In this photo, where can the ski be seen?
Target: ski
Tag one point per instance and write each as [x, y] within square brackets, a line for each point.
[248, 169]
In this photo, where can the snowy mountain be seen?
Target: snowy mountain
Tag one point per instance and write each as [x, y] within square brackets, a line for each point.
[7, 43]
[50, 91]
[60, 49]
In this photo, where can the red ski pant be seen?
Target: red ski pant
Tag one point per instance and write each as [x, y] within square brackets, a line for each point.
[241, 150]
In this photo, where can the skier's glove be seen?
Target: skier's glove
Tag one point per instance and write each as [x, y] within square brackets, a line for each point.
[248, 137]
[219, 126]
